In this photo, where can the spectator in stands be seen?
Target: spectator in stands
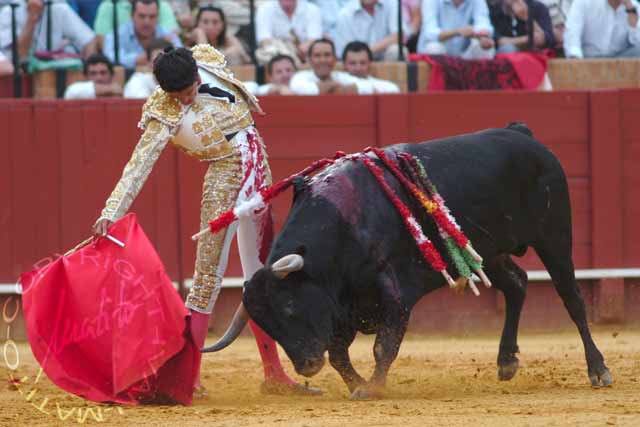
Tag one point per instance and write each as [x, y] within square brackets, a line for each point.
[103, 24]
[237, 12]
[558, 10]
[68, 31]
[412, 19]
[211, 28]
[99, 73]
[182, 12]
[142, 83]
[280, 69]
[602, 28]
[6, 67]
[457, 28]
[322, 79]
[135, 35]
[357, 59]
[372, 21]
[287, 26]
[509, 19]
[330, 10]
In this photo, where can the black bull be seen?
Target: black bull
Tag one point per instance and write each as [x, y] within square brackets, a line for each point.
[344, 261]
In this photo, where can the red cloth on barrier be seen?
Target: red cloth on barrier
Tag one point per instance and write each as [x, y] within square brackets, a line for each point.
[519, 70]
[105, 322]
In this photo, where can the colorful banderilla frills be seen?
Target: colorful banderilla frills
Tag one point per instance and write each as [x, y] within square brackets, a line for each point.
[464, 257]
[261, 198]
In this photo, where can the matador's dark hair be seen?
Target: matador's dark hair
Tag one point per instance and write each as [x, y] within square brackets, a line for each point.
[175, 69]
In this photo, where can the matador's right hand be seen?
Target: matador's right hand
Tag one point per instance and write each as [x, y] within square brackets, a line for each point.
[101, 227]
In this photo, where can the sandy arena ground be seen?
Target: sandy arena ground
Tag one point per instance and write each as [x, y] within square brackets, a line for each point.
[436, 381]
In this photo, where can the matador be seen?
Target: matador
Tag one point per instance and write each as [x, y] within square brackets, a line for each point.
[202, 109]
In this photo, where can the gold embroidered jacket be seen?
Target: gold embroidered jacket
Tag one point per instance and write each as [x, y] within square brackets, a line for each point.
[198, 129]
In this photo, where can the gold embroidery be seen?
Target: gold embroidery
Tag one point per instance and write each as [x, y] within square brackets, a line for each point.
[209, 55]
[197, 127]
[197, 106]
[162, 107]
[220, 190]
[208, 139]
[207, 122]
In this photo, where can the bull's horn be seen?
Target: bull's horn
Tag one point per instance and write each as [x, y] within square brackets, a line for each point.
[239, 321]
[287, 264]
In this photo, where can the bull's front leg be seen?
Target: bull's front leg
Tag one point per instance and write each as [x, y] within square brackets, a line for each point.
[389, 335]
[341, 362]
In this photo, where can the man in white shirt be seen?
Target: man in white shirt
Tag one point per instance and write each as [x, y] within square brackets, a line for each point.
[602, 28]
[99, 72]
[372, 21]
[280, 69]
[357, 59]
[330, 11]
[457, 28]
[67, 29]
[322, 79]
[297, 22]
[141, 84]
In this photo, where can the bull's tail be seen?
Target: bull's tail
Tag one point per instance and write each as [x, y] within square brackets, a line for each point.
[520, 127]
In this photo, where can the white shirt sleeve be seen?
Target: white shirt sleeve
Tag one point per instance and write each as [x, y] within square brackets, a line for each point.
[573, 30]
[264, 89]
[139, 86]
[363, 86]
[430, 28]
[5, 29]
[74, 28]
[634, 32]
[80, 90]
[314, 22]
[304, 83]
[384, 86]
[252, 87]
[263, 20]
[343, 33]
[480, 18]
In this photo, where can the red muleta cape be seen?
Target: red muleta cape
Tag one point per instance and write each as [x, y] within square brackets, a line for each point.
[105, 323]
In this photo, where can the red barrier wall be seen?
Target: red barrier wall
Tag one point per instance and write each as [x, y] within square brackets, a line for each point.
[61, 159]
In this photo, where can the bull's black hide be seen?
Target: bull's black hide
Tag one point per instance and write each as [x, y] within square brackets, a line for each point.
[362, 270]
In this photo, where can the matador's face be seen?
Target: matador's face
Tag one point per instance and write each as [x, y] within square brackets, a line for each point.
[187, 95]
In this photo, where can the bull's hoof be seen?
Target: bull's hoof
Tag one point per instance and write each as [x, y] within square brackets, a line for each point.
[508, 370]
[367, 392]
[602, 379]
[278, 388]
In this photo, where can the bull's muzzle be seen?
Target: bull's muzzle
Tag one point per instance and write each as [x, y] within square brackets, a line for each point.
[309, 366]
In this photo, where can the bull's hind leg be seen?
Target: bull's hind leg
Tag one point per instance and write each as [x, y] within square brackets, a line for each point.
[507, 276]
[555, 253]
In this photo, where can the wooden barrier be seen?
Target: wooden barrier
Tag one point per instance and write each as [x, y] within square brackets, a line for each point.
[63, 158]
[46, 85]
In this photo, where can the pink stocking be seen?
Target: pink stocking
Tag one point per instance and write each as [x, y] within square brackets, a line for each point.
[273, 370]
[199, 329]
